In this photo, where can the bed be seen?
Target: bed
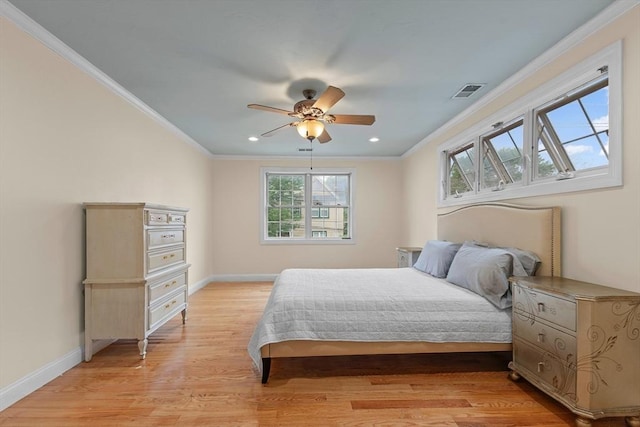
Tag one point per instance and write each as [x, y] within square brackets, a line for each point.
[330, 318]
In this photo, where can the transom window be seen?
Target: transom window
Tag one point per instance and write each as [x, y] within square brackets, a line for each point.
[502, 155]
[305, 206]
[564, 136]
[462, 174]
[572, 133]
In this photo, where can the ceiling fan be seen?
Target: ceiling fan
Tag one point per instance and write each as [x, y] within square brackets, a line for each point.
[312, 115]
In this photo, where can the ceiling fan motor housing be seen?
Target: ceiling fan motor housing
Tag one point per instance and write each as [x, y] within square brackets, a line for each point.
[305, 108]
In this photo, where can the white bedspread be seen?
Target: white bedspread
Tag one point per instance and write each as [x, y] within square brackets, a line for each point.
[389, 304]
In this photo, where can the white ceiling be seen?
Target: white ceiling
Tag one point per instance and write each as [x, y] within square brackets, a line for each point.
[198, 63]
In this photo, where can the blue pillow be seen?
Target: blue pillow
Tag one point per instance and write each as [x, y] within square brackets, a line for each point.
[436, 257]
[530, 261]
[485, 271]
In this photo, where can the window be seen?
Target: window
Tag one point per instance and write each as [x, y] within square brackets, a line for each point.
[461, 165]
[564, 136]
[572, 134]
[502, 156]
[303, 207]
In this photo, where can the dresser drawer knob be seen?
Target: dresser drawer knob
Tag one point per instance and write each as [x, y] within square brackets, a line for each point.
[540, 337]
[540, 366]
[540, 306]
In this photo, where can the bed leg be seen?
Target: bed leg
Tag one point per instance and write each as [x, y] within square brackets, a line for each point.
[266, 367]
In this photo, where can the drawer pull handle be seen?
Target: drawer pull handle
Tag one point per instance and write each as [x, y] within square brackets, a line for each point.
[541, 337]
[168, 256]
[169, 305]
[540, 366]
[540, 306]
[166, 285]
[168, 236]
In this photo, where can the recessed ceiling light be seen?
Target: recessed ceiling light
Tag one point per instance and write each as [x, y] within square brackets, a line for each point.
[253, 138]
[374, 139]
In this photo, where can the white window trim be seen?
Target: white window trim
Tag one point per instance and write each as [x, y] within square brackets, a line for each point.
[585, 180]
[303, 171]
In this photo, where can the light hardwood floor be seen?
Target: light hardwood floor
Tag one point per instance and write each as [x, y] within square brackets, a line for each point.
[200, 375]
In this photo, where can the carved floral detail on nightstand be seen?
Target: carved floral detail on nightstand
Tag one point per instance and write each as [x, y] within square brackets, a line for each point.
[591, 363]
[630, 313]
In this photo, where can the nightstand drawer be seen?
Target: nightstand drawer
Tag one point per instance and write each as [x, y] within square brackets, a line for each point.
[546, 368]
[548, 339]
[407, 256]
[539, 305]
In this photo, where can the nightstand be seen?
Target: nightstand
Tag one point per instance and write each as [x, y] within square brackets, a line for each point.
[579, 343]
[407, 256]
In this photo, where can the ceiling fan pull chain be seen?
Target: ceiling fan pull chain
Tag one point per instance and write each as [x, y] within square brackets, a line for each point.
[311, 153]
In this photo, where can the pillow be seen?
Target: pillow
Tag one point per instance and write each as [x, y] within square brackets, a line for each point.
[525, 263]
[530, 261]
[484, 271]
[436, 257]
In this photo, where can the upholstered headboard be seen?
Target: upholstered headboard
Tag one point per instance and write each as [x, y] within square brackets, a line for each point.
[537, 229]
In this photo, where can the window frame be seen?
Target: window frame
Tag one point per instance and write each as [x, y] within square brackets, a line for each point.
[567, 82]
[308, 207]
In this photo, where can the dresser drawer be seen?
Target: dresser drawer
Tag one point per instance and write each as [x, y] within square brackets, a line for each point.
[545, 367]
[159, 260]
[162, 237]
[539, 305]
[166, 286]
[167, 307]
[165, 218]
[545, 337]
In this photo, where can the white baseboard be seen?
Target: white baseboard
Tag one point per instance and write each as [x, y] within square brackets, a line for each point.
[243, 277]
[30, 383]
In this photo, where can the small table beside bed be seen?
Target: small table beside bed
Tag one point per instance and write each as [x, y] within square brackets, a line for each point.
[455, 299]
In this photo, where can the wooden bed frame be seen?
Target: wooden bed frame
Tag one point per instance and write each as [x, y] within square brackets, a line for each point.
[537, 229]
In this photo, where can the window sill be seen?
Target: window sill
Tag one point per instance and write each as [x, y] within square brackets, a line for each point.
[307, 241]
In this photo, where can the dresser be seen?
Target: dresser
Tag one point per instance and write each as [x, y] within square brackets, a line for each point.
[137, 274]
[407, 256]
[579, 343]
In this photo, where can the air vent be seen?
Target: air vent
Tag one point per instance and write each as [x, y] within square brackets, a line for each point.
[305, 149]
[468, 90]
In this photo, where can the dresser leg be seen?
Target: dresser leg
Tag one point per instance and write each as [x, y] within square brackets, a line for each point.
[184, 316]
[633, 421]
[142, 345]
[583, 422]
[514, 376]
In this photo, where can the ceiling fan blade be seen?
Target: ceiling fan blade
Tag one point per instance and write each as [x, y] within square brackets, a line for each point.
[324, 137]
[271, 132]
[271, 109]
[353, 119]
[329, 98]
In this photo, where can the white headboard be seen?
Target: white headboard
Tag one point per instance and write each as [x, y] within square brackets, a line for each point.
[537, 229]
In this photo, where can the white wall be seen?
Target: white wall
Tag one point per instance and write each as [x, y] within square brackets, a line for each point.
[601, 229]
[377, 199]
[66, 139]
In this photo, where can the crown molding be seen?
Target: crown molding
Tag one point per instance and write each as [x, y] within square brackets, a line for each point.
[302, 158]
[31, 27]
[608, 15]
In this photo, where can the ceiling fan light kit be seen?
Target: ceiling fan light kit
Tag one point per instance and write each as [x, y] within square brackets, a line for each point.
[312, 115]
[310, 129]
